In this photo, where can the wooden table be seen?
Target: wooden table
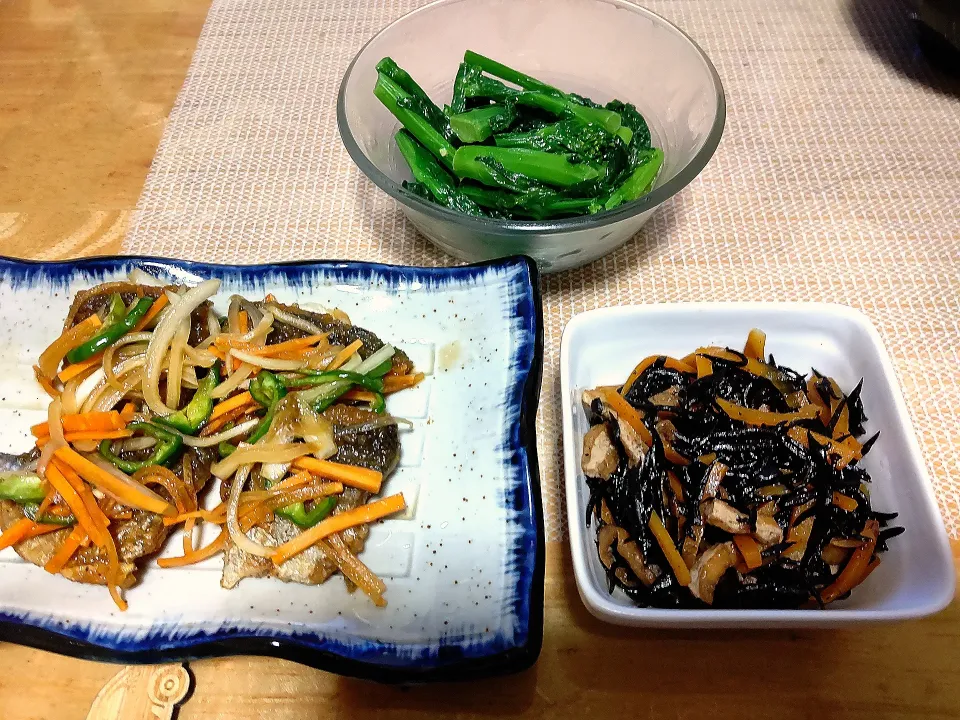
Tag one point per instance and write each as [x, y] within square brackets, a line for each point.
[85, 89]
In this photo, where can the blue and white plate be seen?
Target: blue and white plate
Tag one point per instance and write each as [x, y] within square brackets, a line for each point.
[464, 567]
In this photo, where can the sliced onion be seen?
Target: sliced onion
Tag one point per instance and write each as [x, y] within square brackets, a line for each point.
[378, 422]
[239, 537]
[236, 379]
[295, 320]
[175, 363]
[271, 453]
[268, 363]
[89, 385]
[200, 357]
[213, 326]
[220, 437]
[258, 335]
[163, 336]
[253, 312]
[134, 444]
[112, 374]
[109, 398]
[233, 315]
[136, 487]
[57, 440]
[142, 277]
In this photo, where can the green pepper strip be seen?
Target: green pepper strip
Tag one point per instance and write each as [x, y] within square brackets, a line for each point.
[191, 418]
[225, 449]
[115, 327]
[168, 444]
[30, 510]
[379, 404]
[370, 383]
[300, 516]
[382, 369]
[22, 489]
[267, 389]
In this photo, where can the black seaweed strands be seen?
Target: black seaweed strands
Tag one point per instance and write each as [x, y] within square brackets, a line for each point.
[754, 472]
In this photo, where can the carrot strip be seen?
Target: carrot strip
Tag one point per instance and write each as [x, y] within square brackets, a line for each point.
[626, 411]
[128, 411]
[358, 477]
[765, 417]
[16, 533]
[669, 362]
[750, 550]
[295, 344]
[243, 321]
[244, 398]
[704, 366]
[680, 569]
[66, 551]
[84, 422]
[98, 477]
[345, 354]
[217, 424]
[159, 304]
[72, 498]
[755, 345]
[844, 502]
[336, 523]
[81, 436]
[856, 569]
[401, 382]
[360, 396]
[71, 371]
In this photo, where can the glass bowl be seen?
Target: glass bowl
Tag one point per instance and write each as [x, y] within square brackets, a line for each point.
[604, 49]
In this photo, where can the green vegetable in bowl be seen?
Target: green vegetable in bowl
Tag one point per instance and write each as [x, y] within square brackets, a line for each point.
[511, 146]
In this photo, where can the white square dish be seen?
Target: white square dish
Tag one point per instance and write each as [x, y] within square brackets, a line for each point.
[602, 346]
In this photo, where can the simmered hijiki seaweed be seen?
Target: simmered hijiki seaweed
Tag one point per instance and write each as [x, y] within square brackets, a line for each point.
[724, 480]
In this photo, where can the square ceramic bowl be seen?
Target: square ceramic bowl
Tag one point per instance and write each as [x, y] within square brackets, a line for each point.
[463, 566]
[601, 347]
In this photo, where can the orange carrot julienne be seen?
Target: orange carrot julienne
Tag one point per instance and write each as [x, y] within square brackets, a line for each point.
[243, 321]
[130, 494]
[336, 523]
[396, 383]
[72, 498]
[71, 371]
[84, 422]
[66, 551]
[358, 477]
[90, 435]
[626, 411]
[345, 354]
[244, 398]
[295, 344]
[750, 550]
[218, 545]
[159, 304]
[128, 411]
[669, 362]
[680, 569]
[359, 395]
[844, 502]
[16, 533]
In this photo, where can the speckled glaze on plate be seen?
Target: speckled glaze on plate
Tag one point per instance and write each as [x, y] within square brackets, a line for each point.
[463, 567]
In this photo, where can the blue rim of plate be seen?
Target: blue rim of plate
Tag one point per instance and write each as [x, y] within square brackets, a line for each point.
[491, 658]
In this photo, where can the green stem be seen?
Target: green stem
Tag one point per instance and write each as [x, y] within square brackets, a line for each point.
[401, 77]
[507, 73]
[399, 103]
[639, 182]
[435, 178]
[477, 125]
[537, 165]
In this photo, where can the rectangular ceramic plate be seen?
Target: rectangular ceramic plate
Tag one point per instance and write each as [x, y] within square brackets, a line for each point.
[464, 568]
[601, 347]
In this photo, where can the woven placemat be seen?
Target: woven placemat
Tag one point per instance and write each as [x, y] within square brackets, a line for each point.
[838, 179]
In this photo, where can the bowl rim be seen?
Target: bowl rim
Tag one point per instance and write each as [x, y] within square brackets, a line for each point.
[604, 608]
[651, 200]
